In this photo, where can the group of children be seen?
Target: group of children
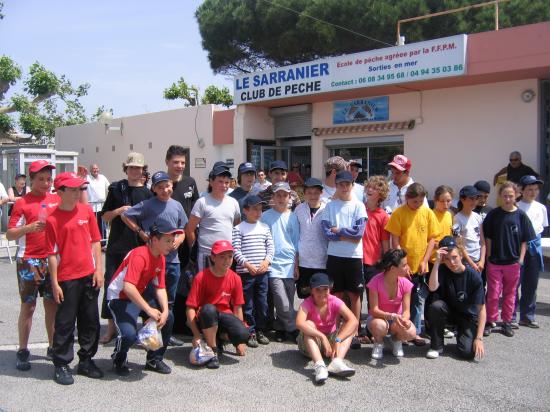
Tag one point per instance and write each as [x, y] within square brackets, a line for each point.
[319, 246]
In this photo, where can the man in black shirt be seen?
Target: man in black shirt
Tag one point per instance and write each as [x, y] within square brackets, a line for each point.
[184, 191]
[515, 169]
[246, 177]
[460, 300]
[121, 196]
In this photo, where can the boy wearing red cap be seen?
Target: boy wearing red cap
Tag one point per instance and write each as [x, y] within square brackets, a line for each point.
[26, 225]
[74, 261]
[215, 303]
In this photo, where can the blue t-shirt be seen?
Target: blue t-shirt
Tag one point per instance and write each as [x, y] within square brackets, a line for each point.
[153, 210]
[507, 231]
[350, 217]
[285, 231]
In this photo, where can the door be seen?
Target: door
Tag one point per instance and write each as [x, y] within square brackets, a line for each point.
[271, 153]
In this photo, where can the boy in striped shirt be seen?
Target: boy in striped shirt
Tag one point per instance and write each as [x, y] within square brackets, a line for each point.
[254, 251]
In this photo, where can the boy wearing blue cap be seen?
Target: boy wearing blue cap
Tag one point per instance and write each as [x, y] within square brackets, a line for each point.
[278, 172]
[344, 220]
[533, 262]
[160, 208]
[254, 251]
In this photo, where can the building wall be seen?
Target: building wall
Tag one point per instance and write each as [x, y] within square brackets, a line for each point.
[465, 134]
[150, 134]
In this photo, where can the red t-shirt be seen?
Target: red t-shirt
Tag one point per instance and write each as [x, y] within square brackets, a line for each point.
[70, 234]
[224, 292]
[24, 212]
[374, 235]
[139, 268]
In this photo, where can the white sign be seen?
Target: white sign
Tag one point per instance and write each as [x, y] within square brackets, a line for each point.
[403, 64]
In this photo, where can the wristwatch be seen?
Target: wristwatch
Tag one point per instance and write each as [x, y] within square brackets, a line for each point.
[337, 339]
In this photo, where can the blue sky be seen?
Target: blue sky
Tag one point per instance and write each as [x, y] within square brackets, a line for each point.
[129, 51]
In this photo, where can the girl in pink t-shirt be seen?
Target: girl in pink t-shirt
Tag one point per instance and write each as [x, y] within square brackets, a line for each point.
[317, 321]
[389, 304]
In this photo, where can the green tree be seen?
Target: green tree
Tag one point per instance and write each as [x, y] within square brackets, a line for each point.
[190, 94]
[248, 35]
[48, 101]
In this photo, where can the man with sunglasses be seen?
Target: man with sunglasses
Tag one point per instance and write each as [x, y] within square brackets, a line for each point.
[515, 170]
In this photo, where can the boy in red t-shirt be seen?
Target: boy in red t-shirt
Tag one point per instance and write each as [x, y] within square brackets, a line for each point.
[26, 225]
[74, 261]
[144, 265]
[214, 304]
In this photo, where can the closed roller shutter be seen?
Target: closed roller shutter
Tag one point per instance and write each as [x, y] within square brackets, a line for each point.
[292, 121]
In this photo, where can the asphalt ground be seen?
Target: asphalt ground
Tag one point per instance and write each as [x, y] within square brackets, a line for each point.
[513, 376]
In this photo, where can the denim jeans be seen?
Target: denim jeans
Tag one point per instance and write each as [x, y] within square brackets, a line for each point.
[418, 298]
[173, 271]
[255, 298]
[529, 280]
[125, 315]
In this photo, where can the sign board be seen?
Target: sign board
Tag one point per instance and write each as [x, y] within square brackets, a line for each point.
[375, 109]
[230, 163]
[431, 59]
[200, 162]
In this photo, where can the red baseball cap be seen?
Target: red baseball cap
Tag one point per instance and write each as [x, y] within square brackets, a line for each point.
[401, 162]
[68, 179]
[38, 165]
[221, 246]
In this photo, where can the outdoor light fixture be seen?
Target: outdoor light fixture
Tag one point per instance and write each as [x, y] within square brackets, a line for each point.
[106, 118]
[527, 95]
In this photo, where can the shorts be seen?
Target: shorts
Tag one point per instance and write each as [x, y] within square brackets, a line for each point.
[302, 347]
[33, 278]
[302, 284]
[346, 273]
[371, 318]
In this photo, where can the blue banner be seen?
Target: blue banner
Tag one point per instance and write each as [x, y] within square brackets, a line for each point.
[375, 109]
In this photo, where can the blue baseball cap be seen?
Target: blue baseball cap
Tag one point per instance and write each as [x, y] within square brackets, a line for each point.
[159, 177]
[246, 167]
[468, 191]
[483, 186]
[313, 182]
[277, 164]
[252, 201]
[529, 180]
[319, 279]
[281, 186]
[344, 176]
[218, 171]
[164, 227]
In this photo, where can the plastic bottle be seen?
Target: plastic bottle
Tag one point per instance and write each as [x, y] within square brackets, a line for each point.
[42, 213]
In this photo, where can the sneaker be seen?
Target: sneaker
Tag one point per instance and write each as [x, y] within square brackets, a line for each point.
[89, 368]
[213, 363]
[377, 351]
[487, 329]
[121, 369]
[252, 341]
[23, 363]
[279, 336]
[261, 338]
[63, 375]
[514, 324]
[448, 334]
[529, 323]
[433, 354]
[339, 368]
[173, 341]
[158, 365]
[397, 348]
[355, 343]
[321, 374]
[507, 329]
[49, 353]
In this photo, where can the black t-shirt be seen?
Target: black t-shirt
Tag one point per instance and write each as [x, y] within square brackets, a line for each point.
[121, 238]
[461, 291]
[483, 211]
[186, 192]
[507, 231]
[239, 194]
[514, 174]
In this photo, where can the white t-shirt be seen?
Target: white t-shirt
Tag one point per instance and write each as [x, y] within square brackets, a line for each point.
[396, 197]
[469, 229]
[312, 248]
[217, 218]
[537, 214]
[3, 194]
[97, 191]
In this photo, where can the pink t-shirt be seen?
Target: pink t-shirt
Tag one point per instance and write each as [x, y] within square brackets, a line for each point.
[386, 304]
[327, 325]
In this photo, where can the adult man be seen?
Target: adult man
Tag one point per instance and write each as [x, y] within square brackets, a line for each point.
[358, 188]
[278, 171]
[333, 165]
[186, 193]
[98, 186]
[515, 170]
[122, 196]
[400, 170]
[246, 177]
